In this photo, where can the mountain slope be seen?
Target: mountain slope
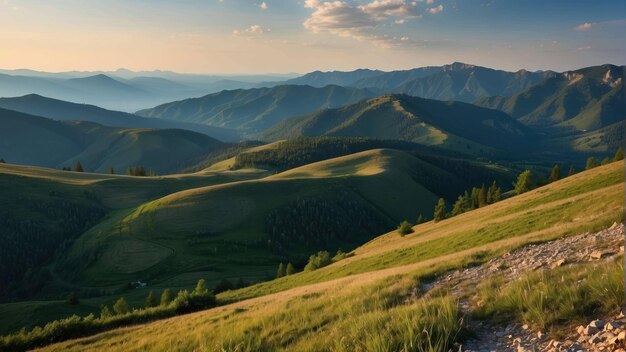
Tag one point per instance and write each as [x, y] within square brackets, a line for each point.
[451, 125]
[583, 100]
[320, 79]
[466, 83]
[34, 104]
[255, 110]
[34, 140]
[381, 289]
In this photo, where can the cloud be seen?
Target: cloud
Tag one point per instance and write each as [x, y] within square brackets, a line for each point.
[584, 27]
[253, 30]
[435, 10]
[263, 5]
[358, 21]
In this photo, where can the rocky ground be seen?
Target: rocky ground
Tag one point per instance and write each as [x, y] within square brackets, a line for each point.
[606, 334]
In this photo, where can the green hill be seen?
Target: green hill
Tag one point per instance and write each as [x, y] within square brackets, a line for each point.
[376, 298]
[37, 105]
[33, 140]
[448, 125]
[254, 110]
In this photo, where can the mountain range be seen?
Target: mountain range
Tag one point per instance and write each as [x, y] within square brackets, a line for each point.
[33, 140]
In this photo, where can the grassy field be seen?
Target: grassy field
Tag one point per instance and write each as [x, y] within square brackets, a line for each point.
[359, 303]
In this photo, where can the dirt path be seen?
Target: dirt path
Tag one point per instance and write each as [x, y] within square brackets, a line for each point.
[602, 245]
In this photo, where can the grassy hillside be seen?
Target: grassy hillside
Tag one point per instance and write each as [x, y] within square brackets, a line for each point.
[448, 125]
[364, 302]
[37, 105]
[43, 211]
[254, 110]
[33, 140]
[246, 228]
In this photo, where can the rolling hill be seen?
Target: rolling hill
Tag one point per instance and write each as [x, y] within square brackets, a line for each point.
[254, 110]
[449, 125]
[34, 140]
[383, 289]
[34, 104]
[583, 100]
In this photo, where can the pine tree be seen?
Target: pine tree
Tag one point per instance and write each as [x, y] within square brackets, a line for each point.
[619, 154]
[111, 170]
[2, 161]
[405, 228]
[591, 163]
[105, 312]
[605, 161]
[555, 175]
[121, 307]
[281, 270]
[200, 289]
[572, 171]
[78, 167]
[491, 193]
[459, 206]
[151, 300]
[482, 196]
[420, 220]
[166, 297]
[474, 198]
[440, 210]
[290, 269]
[525, 182]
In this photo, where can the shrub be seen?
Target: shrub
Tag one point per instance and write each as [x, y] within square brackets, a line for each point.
[319, 260]
[121, 307]
[166, 297]
[440, 210]
[405, 228]
[525, 182]
[290, 269]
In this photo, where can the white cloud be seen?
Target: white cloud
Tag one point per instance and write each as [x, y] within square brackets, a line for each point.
[253, 30]
[358, 21]
[435, 10]
[430, 2]
[263, 5]
[584, 27]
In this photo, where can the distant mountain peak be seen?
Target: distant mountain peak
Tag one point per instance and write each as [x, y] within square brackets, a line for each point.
[457, 66]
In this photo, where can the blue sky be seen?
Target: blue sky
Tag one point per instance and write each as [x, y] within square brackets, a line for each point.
[240, 36]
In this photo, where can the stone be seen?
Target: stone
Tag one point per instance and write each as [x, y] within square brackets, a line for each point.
[580, 330]
[621, 336]
[590, 330]
[611, 326]
[598, 254]
[558, 263]
[595, 339]
[525, 326]
[598, 324]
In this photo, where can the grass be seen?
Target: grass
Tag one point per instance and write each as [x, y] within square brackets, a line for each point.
[546, 300]
[358, 303]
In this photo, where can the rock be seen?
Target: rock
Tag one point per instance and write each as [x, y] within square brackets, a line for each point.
[590, 330]
[598, 254]
[580, 330]
[611, 326]
[598, 324]
[621, 336]
[525, 326]
[558, 263]
[595, 339]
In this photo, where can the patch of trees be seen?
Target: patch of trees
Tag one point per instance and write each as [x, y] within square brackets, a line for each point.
[285, 270]
[476, 198]
[321, 224]
[32, 231]
[405, 228]
[227, 285]
[305, 150]
[137, 171]
[121, 314]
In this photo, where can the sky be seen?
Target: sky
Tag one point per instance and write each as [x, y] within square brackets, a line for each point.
[285, 36]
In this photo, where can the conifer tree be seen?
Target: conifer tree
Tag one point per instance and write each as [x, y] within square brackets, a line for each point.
[591, 163]
[281, 270]
[420, 220]
[111, 170]
[572, 171]
[482, 196]
[151, 300]
[121, 307]
[619, 154]
[555, 175]
[525, 182]
[166, 297]
[440, 210]
[78, 167]
[290, 269]
[200, 289]
[2, 161]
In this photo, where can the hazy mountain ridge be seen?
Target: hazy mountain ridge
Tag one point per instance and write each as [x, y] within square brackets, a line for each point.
[33, 140]
[34, 104]
[257, 109]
